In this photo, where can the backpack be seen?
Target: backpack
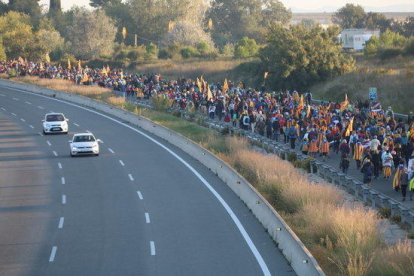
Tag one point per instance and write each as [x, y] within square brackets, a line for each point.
[246, 120]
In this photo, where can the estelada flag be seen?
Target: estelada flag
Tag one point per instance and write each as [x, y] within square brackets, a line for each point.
[349, 127]
[225, 86]
[209, 94]
[69, 65]
[345, 103]
[301, 104]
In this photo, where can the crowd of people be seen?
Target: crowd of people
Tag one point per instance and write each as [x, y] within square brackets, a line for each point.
[363, 133]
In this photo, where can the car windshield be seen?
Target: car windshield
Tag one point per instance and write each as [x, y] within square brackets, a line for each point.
[84, 138]
[55, 118]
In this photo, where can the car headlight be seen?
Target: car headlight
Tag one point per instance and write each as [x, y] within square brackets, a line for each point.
[74, 148]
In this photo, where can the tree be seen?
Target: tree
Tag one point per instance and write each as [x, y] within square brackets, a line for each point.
[186, 34]
[55, 8]
[151, 18]
[298, 57]
[16, 31]
[91, 33]
[246, 48]
[29, 7]
[102, 3]
[350, 16]
[408, 26]
[375, 20]
[234, 19]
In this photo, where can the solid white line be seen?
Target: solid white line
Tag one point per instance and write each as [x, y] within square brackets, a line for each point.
[230, 212]
[110, 150]
[61, 221]
[55, 153]
[31, 126]
[60, 165]
[63, 181]
[40, 107]
[16, 99]
[14, 114]
[23, 120]
[122, 163]
[140, 195]
[147, 218]
[3, 109]
[76, 124]
[130, 177]
[48, 142]
[63, 199]
[152, 245]
[28, 102]
[53, 254]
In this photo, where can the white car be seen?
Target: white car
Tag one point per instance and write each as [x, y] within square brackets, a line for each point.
[55, 123]
[84, 144]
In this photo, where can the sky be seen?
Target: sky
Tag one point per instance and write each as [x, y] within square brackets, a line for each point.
[309, 5]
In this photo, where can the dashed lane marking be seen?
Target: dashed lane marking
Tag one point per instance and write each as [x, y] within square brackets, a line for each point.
[53, 254]
[61, 221]
[152, 246]
[147, 218]
[140, 195]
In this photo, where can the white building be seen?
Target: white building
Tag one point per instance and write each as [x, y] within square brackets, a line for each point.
[355, 39]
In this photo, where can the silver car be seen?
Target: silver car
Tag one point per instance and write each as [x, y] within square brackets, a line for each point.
[55, 123]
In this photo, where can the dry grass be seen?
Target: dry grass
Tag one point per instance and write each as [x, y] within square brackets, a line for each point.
[95, 92]
[117, 101]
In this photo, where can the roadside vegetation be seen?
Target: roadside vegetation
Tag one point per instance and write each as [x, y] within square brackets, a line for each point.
[345, 239]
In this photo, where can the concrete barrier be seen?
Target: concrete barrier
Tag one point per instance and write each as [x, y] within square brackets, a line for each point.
[292, 248]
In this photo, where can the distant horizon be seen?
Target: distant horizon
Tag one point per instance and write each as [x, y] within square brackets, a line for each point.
[304, 6]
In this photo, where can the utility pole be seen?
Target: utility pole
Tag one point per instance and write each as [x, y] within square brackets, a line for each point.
[136, 40]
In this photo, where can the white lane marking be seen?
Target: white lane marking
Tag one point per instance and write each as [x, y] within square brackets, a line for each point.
[110, 150]
[140, 195]
[63, 199]
[60, 165]
[40, 133]
[122, 163]
[14, 114]
[53, 254]
[31, 126]
[152, 246]
[55, 153]
[23, 120]
[61, 221]
[16, 99]
[229, 211]
[3, 109]
[27, 102]
[63, 181]
[130, 177]
[76, 124]
[40, 107]
[48, 143]
[147, 218]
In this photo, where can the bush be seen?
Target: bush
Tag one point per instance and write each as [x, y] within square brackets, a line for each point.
[161, 103]
[228, 50]
[409, 48]
[12, 73]
[189, 52]
[245, 48]
[390, 53]
[384, 213]
[164, 54]
[151, 51]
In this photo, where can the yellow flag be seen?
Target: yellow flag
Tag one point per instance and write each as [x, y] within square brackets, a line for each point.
[69, 65]
[345, 103]
[122, 75]
[209, 94]
[349, 128]
[210, 24]
[124, 32]
[104, 71]
[47, 58]
[308, 111]
[199, 85]
[171, 25]
[108, 70]
[225, 86]
[301, 104]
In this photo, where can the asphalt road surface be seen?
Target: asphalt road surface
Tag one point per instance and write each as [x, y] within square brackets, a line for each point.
[134, 210]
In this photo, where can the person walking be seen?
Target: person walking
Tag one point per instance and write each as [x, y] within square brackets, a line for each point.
[358, 152]
[292, 133]
[404, 182]
[366, 169]
[324, 148]
[387, 164]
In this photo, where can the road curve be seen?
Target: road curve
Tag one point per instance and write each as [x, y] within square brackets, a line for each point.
[134, 210]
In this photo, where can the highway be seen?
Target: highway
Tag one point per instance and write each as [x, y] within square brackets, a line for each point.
[143, 207]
